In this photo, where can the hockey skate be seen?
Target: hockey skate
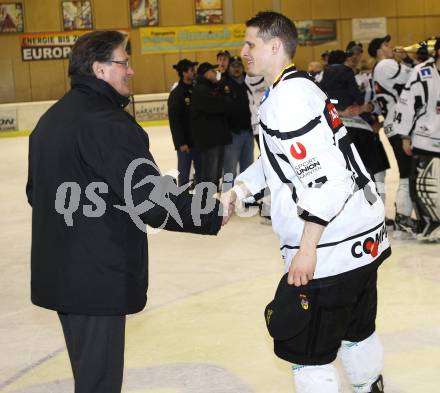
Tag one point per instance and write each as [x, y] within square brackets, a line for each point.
[430, 233]
[405, 227]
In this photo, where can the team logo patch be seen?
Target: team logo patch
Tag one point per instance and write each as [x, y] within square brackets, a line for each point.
[334, 116]
[304, 302]
[298, 153]
[370, 246]
[307, 168]
[426, 73]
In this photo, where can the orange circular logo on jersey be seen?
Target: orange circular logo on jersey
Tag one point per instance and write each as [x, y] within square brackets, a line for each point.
[299, 153]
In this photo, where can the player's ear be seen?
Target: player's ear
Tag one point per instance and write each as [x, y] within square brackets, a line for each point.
[276, 45]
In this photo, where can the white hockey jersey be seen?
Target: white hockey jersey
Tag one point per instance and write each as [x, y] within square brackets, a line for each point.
[256, 85]
[314, 173]
[389, 78]
[418, 111]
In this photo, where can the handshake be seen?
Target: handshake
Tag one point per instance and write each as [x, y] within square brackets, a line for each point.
[229, 200]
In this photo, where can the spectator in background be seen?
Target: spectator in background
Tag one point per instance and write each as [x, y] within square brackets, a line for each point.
[339, 83]
[208, 111]
[341, 87]
[179, 102]
[324, 58]
[223, 58]
[315, 69]
[241, 150]
[354, 53]
[422, 54]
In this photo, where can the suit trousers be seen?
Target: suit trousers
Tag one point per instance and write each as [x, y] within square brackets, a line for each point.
[96, 350]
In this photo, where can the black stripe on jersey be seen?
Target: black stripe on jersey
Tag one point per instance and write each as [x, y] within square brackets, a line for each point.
[287, 70]
[418, 103]
[299, 74]
[399, 68]
[257, 83]
[283, 157]
[399, 87]
[293, 73]
[386, 92]
[346, 146]
[277, 169]
[339, 242]
[292, 134]
[318, 183]
[306, 216]
[260, 195]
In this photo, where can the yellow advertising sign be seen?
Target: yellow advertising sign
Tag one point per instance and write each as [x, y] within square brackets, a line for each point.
[191, 38]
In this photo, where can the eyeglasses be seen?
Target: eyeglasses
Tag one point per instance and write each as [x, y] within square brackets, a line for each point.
[125, 62]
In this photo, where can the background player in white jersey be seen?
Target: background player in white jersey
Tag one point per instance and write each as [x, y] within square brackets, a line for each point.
[417, 119]
[389, 78]
[327, 214]
[256, 85]
[366, 137]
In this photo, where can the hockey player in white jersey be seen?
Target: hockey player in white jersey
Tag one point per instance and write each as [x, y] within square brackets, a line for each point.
[364, 128]
[256, 85]
[327, 215]
[389, 78]
[417, 119]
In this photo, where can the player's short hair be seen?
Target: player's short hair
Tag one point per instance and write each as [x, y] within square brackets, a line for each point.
[91, 47]
[272, 24]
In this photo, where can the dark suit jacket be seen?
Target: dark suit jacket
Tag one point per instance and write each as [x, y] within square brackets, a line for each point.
[89, 261]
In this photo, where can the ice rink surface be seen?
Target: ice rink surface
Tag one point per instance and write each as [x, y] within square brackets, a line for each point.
[203, 329]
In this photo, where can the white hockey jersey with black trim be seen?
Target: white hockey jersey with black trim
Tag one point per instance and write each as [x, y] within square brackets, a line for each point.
[389, 79]
[314, 173]
[418, 111]
[256, 85]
